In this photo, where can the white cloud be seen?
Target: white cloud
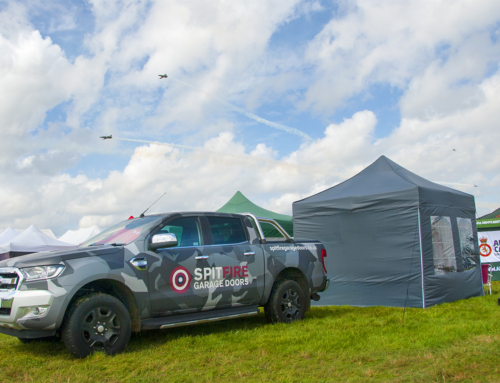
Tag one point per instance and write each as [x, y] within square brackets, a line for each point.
[26, 162]
[439, 54]
[30, 72]
[194, 180]
[197, 180]
[345, 145]
[393, 41]
[36, 77]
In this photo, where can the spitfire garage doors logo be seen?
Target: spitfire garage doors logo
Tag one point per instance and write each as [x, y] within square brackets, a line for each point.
[209, 277]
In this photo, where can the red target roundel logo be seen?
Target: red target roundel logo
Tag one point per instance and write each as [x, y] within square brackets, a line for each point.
[180, 279]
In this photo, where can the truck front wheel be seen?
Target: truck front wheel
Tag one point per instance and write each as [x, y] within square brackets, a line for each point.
[287, 302]
[96, 322]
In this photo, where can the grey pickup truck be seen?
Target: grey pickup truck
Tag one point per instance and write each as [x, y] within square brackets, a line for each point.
[156, 272]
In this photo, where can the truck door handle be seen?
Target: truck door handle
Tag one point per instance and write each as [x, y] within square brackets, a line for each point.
[201, 257]
[139, 263]
[248, 253]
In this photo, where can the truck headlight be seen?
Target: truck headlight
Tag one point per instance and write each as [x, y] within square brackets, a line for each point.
[41, 272]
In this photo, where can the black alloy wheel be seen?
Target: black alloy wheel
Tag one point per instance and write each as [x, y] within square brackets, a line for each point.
[96, 322]
[287, 302]
[290, 304]
[100, 328]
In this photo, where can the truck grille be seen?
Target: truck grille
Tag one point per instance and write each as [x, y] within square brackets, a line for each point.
[8, 281]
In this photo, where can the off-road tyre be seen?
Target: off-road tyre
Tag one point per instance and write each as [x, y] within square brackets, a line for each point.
[287, 302]
[96, 322]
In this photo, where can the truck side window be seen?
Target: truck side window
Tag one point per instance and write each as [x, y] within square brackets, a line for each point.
[227, 230]
[186, 229]
[271, 232]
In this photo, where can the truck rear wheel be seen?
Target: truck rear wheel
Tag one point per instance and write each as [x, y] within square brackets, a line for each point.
[97, 322]
[287, 302]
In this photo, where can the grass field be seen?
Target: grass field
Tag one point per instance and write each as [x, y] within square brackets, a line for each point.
[453, 342]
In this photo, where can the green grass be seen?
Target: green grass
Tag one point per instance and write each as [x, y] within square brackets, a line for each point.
[452, 342]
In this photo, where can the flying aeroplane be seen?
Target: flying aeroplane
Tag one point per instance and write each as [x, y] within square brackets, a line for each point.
[162, 76]
[106, 137]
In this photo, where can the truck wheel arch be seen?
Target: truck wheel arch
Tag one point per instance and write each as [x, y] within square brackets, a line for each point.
[115, 288]
[298, 276]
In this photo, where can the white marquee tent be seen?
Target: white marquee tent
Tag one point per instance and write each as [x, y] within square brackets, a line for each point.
[79, 236]
[32, 240]
[8, 235]
[19, 231]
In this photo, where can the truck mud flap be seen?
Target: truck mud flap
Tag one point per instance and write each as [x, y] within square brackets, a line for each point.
[198, 317]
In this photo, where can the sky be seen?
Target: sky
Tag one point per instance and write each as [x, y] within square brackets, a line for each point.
[277, 99]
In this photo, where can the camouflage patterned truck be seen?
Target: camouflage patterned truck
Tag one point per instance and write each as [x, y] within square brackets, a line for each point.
[156, 272]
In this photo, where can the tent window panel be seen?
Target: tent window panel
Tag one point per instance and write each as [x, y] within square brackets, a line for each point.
[442, 246]
[466, 243]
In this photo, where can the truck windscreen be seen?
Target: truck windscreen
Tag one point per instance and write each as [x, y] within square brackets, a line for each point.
[123, 233]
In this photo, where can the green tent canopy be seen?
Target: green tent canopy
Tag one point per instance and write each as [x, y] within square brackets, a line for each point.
[241, 204]
[489, 221]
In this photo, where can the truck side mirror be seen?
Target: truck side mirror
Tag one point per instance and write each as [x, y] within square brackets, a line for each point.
[163, 240]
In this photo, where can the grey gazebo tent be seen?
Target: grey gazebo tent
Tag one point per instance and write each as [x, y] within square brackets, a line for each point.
[393, 239]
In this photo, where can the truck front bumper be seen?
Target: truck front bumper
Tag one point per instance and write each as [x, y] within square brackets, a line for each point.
[25, 310]
[27, 334]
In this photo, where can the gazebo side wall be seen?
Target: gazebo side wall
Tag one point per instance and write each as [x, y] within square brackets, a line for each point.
[463, 283]
[373, 249]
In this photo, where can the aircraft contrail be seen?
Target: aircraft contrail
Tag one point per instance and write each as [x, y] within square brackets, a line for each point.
[248, 114]
[244, 158]
[168, 144]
